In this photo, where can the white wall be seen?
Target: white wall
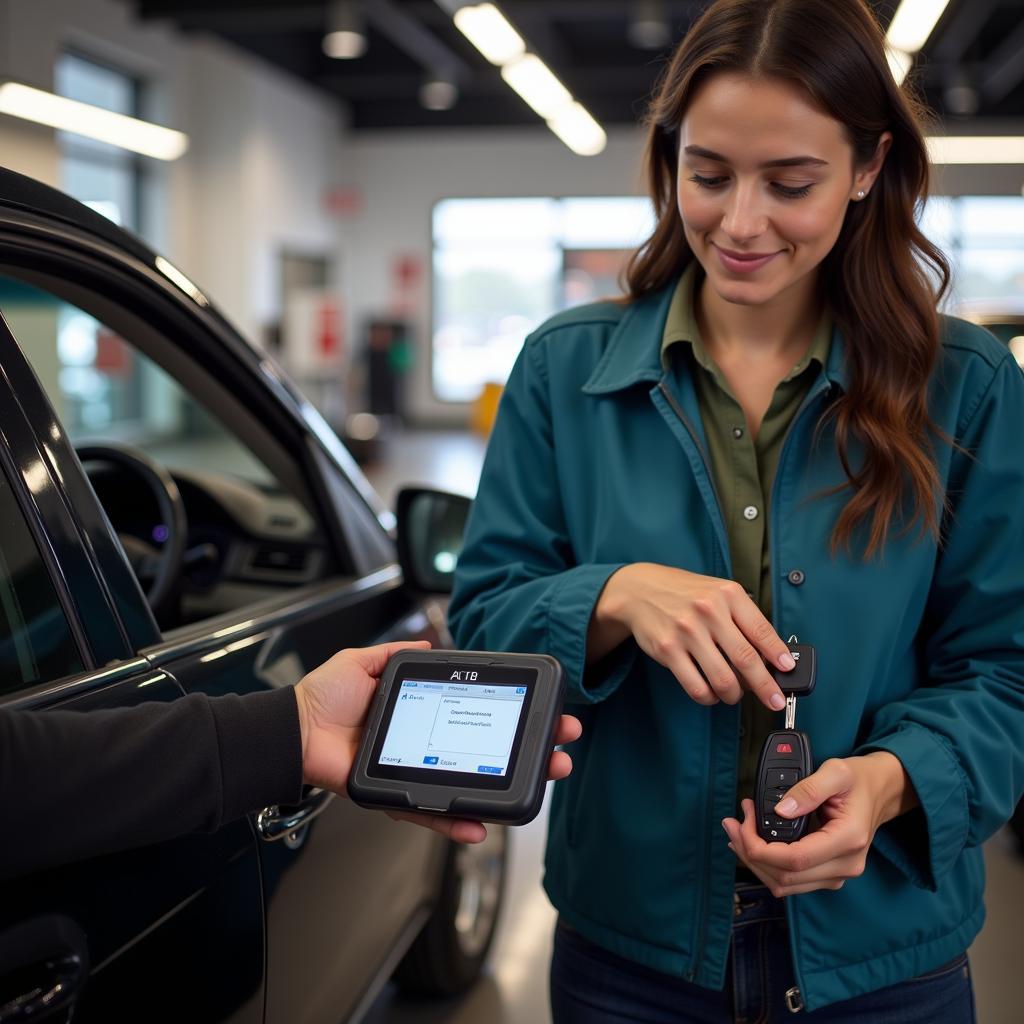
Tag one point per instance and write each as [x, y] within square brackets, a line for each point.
[264, 147]
[401, 175]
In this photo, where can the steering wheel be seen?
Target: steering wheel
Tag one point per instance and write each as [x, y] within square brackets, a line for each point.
[157, 569]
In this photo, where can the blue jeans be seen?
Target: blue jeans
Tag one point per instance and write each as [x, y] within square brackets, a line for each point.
[590, 985]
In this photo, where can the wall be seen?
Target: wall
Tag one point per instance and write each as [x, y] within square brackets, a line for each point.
[401, 175]
[264, 147]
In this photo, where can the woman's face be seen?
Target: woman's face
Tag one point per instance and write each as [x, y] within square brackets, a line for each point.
[764, 182]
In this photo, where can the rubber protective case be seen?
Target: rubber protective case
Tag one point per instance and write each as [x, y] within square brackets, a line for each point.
[518, 804]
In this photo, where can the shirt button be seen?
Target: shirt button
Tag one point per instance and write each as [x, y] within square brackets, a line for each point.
[750, 512]
[737, 432]
[796, 577]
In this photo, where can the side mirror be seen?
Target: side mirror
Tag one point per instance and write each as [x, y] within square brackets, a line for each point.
[430, 529]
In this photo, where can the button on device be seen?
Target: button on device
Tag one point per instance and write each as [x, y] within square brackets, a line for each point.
[750, 512]
[796, 577]
[783, 778]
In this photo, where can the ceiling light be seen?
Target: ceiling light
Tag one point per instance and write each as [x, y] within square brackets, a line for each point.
[534, 81]
[438, 94]
[648, 29]
[913, 22]
[93, 122]
[976, 149]
[961, 97]
[488, 30]
[899, 63]
[578, 130]
[345, 37]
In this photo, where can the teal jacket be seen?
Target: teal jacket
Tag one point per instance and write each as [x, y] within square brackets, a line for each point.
[597, 460]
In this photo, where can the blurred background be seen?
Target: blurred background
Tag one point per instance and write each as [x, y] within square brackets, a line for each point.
[388, 196]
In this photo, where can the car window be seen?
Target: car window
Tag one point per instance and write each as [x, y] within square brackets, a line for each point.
[35, 639]
[105, 388]
[252, 525]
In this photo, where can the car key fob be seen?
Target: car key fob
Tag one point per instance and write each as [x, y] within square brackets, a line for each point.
[799, 681]
[786, 754]
[785, 760]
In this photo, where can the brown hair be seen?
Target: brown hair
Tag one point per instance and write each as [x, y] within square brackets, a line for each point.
[883, 278]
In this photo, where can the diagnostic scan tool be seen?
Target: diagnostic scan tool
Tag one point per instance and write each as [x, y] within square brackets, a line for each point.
[463, 733]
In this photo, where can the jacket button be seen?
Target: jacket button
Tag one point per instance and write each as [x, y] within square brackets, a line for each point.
[796, 577]
[737, 432]
[750, 512]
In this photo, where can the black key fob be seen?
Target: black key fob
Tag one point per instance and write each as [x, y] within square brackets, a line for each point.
[785, 760]
[798, 681]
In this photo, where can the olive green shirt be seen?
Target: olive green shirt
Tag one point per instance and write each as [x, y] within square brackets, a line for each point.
[743, 470]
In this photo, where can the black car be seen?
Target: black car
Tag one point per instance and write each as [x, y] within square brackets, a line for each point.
[177, 517]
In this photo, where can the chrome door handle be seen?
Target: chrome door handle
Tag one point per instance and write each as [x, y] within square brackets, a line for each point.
[278, 822]
[46, 962]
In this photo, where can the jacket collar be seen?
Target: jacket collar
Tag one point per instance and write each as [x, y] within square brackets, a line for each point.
[633, 355]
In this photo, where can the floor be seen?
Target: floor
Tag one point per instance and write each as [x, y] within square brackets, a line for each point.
[514, 989]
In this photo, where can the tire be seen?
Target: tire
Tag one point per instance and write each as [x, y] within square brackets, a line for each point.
[449, 953]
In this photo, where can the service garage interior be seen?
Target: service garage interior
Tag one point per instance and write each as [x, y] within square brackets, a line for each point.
[383, 199]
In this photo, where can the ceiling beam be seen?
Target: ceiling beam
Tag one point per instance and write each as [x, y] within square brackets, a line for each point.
[625, 83]
[418, 42]
[236, 16]
[1006, 65]
[959, 30]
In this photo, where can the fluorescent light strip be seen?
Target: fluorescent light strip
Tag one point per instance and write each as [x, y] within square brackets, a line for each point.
[913, 22]
[976, 149]
[93, 122]
[489, 31]
[578, 130]
[534, 81]
[899, 63]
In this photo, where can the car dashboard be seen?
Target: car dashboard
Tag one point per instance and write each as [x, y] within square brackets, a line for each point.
[246, 540]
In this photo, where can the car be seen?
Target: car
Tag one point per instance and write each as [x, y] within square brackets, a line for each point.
[178, 518]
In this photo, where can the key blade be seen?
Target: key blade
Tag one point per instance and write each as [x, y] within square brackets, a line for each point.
[800, 682]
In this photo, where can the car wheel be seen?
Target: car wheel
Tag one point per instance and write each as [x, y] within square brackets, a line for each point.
[449, 953]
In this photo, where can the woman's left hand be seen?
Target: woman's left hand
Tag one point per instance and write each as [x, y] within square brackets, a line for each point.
[853, 797]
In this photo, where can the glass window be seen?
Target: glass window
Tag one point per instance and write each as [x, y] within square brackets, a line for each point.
[983, 237]
[104, 177]
[503, 266]
[105, 388]
[252, 529]
[35, 640]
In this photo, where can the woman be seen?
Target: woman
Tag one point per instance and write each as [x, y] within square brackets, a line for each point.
[774, 436]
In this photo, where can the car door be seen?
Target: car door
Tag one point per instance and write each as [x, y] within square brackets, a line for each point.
[106, 936]
[306, 569]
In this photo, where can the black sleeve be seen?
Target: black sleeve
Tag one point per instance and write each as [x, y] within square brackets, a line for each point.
[82, 783]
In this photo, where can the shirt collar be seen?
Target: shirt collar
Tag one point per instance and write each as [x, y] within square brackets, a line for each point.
[681, 328]
[633, 353]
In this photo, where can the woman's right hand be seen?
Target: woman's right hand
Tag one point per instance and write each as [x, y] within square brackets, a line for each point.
[706, 631]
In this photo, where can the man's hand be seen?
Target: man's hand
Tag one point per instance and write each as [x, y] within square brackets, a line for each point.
[853, 797]
[333, 702]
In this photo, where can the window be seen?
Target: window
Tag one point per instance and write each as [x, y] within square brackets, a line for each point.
[104, 177]
[502, 266]
[35, 640]
[252, 531]
[84, 366]
[982, 236]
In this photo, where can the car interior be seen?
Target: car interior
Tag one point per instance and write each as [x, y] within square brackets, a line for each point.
[212, 511]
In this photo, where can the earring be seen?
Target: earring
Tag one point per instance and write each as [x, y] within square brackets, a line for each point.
[861, 194]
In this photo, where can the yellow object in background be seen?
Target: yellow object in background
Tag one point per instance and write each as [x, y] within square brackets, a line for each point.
[485, 409]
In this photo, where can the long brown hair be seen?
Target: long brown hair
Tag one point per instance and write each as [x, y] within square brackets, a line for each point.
[883, 278]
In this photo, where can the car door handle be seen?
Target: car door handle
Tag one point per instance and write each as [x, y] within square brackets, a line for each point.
[278, 822]
[44, 962]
